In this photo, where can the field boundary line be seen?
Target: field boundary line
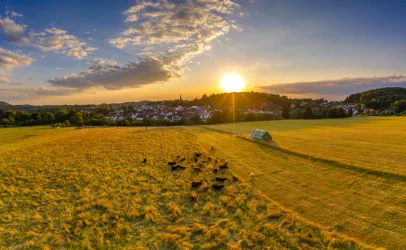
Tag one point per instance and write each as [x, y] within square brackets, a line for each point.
[313, 158]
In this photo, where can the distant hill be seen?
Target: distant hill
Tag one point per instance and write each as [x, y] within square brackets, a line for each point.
[382, 98]
[5, 105]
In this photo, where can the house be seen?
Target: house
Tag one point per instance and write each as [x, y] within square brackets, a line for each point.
[189, 115]
[140, 117]
[156, 117]
[176, 118]
[369, 111]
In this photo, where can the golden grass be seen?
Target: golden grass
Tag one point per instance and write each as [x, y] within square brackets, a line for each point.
[14, 138]
[91, 191]
[370, 207]
[372, 143]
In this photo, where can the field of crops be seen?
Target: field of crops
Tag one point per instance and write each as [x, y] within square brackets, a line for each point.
[310, 171]
[373, 143]
[112, 188]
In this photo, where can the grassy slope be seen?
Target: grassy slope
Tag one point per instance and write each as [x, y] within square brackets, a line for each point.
[14, 138]
[91, 190]
[376, 143]
[370, 207]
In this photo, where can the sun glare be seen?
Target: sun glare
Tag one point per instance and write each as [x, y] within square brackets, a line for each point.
[232, 82]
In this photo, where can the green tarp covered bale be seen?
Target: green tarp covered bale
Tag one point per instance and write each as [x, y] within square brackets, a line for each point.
[261, 135]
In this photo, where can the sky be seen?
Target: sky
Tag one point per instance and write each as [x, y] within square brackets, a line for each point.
[111, 51]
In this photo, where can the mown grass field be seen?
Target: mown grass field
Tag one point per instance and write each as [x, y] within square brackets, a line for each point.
[375, 143]
[90, 189]
[14, 138]
[330, 187]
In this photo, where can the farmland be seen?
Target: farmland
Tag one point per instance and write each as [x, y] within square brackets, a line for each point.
[112, 188]
[347, 175]
[372, 143]
[90, 188]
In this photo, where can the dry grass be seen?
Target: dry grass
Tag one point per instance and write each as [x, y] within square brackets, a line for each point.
[372, 143]
[92, 191]
[367, 205]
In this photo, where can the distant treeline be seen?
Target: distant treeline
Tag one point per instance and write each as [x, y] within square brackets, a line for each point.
[384, 98]
[221, 107]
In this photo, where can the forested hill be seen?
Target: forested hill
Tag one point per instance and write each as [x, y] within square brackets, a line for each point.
[382, 98]
[241, 100]
[5, 105]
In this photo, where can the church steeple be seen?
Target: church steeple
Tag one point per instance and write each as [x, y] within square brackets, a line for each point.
[180, 98]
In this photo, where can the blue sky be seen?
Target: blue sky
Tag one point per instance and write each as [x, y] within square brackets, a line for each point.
[54, 52]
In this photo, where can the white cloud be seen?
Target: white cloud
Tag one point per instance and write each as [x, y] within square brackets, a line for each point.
[174, 33]
[15, 14]
[55, 31]
[13, 32]
[9, 60]
[4, 77]
[59, 41]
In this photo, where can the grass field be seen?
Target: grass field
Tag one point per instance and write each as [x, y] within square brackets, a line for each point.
[368, 205]
[14, 138]
[89, 189]
[375, 143]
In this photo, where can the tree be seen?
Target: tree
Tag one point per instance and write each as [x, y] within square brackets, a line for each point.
[67, 123]
[358, 107]
[197, 119]
[350, 112]
[251, 117]
[333, 113]
[4, 121]
[308, 114]
[79, 119]
[48, 118]
[285, 112]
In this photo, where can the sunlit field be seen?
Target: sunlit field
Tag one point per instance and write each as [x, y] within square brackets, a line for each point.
[112, 188]
[369, 205]
[375, 143]
[14, 138]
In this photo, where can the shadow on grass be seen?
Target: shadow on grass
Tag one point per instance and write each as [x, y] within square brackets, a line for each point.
[271, 147]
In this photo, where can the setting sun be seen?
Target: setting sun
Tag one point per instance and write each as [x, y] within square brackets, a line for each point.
[232, 82]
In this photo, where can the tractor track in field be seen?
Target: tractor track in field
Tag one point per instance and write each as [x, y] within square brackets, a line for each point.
[313, 158]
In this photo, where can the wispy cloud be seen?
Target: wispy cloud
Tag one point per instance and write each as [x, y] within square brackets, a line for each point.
[59, 41]
[174, 33]
[15, 14]
[9, 60]
[13, 32]
[4, 77]
[338, 87]
[21, 93]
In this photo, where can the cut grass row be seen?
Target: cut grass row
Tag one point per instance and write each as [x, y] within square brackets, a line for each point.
[369, 207]
[93, 191]
[311, 157]
[373, 143]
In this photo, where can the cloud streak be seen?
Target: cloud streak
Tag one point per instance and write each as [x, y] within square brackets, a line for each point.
[337, 87]
[112, 76]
